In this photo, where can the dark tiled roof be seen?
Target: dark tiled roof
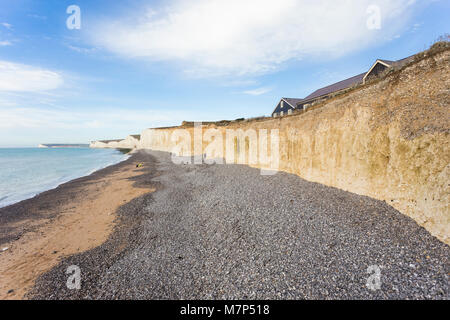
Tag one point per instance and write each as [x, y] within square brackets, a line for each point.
[292, 101]
[335, 87]
[389, 62]
[398, 62]
[344, 84]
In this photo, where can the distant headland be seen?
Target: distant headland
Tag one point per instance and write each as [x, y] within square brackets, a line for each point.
[64, 145]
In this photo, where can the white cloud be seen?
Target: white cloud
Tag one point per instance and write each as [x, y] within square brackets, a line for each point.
[416, 26]
[16, 77]
[239, 82]
[31, 117]
[81, 49]
[7, 103]
[36, 16]
[257, 91]
[5, 43]
[237, 37]
[6, 25]
[26, 126]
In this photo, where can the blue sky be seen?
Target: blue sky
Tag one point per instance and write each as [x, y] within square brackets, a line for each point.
[137, 64]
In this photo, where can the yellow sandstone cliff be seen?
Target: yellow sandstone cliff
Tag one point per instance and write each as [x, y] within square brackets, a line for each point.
[388, 139]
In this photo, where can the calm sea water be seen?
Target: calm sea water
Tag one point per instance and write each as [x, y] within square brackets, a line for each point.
[25, 172]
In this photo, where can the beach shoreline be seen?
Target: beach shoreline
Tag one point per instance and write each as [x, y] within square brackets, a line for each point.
[220, 232]
[73, 217]
[216, 232]
[65, 177]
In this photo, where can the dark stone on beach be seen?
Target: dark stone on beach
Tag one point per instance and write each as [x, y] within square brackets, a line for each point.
[240, 237]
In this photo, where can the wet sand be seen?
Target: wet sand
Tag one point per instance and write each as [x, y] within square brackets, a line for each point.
[72, 218]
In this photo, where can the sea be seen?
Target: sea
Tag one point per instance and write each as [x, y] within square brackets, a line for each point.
[26, 172]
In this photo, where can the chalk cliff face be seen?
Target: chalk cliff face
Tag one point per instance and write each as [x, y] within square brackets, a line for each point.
[130, 142]
[388, 140]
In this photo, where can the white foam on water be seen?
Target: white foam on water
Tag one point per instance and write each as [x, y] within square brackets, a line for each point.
[26, 172]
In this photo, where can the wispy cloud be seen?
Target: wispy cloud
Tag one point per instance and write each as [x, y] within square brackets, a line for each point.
[30, 117]
[15, 77]
[416, 26]
[5, 43]
[26, 126]
[235, 37]
[6, 25]
[239, 82]
[36, 16]
[257, 91]
[81, 49]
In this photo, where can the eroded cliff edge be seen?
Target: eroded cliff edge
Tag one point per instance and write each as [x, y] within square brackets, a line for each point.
[388, 140]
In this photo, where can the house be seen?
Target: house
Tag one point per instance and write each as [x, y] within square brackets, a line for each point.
[380, 65]
[324, 92]
[285, 106]
[288, 105]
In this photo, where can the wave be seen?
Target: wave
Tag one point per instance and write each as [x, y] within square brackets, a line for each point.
[27, 173]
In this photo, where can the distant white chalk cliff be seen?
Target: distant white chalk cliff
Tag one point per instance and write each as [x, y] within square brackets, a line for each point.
[64, 145]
